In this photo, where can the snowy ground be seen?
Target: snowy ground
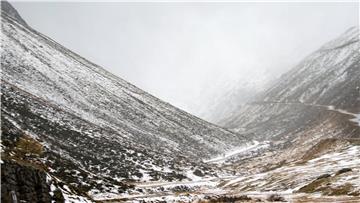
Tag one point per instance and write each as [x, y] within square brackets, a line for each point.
[356, 119]
[294, 176]
[286, 181]
[247, 148]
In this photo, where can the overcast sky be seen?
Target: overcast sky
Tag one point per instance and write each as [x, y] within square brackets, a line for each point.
[181, 52]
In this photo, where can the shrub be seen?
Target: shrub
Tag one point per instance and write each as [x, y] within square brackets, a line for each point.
[343, 170]
[27, 145]
[276, 198]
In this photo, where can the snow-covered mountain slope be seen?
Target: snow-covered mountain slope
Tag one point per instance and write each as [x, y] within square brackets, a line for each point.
[96, 130]
[310, 112]
[45, 69]
[38, 65]
[329, 76]
[302, 98]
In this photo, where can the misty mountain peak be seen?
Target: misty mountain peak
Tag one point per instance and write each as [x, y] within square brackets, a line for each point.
[350, 36]
[7, 8]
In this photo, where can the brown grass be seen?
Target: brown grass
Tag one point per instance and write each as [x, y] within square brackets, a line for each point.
[28, 146]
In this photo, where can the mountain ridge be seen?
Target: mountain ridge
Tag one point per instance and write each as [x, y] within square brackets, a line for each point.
[97, 133]
[328, 77]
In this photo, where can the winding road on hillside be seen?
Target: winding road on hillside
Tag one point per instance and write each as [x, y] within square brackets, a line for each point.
[355, 119]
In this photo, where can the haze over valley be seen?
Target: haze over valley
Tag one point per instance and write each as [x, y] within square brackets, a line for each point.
[283, 129]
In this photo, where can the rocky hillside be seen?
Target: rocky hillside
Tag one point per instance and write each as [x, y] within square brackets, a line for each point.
[323, 88]
[309, 120]
[97, 133]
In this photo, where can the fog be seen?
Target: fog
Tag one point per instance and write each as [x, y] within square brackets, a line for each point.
[185, 53]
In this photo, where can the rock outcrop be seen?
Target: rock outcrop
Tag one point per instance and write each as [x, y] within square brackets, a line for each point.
[20, 182]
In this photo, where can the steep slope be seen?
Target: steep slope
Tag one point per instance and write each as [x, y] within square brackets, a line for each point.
[98, 132]
[317, 91]
[329, 76]
[43, 68]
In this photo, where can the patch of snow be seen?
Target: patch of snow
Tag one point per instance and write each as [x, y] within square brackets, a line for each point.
[249, 147]
[356, 119]
[190, 174]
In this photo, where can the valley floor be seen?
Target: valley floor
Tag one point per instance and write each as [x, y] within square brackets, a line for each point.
[333, 177]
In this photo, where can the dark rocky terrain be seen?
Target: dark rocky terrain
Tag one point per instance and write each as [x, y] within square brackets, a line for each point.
[27, 183]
